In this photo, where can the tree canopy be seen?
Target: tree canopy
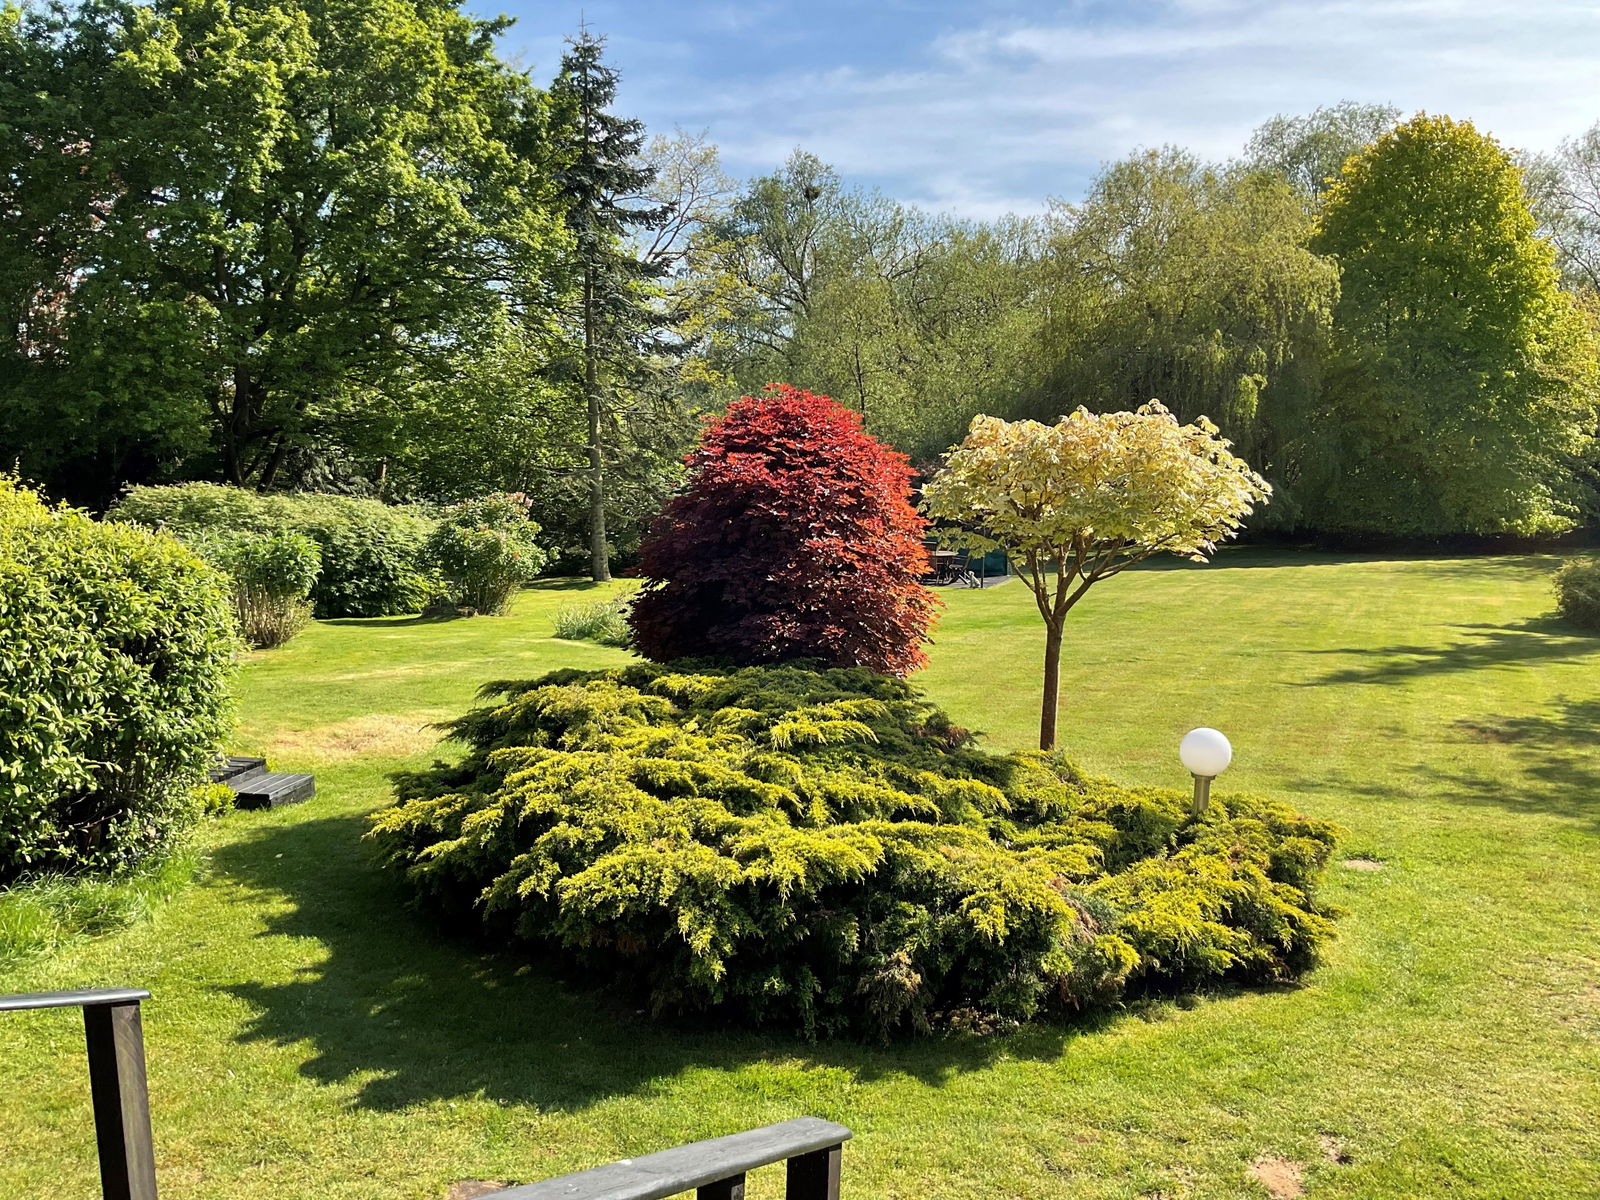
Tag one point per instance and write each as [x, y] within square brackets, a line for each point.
[1461, 388]
[1085, 499]
[266, 220]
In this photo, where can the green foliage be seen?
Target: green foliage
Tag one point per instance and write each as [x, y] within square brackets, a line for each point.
[484, 550]
[116, 656]
[266, 220]
[603, 621]
[370, 552]
[272, 574]
[1577, 588]
[1194, 286]
[1309, 150]
[615, 315]
[823, 851]
[1461, 393]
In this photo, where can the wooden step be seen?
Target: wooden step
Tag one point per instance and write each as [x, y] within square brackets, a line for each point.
[273, 790]
[236, 768]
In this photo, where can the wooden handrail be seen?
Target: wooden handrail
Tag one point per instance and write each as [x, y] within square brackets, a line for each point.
[115, 1041]
[713, 1169]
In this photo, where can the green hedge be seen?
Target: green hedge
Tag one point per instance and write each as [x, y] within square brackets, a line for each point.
[371, 552]
[823, 851]
[116, 655]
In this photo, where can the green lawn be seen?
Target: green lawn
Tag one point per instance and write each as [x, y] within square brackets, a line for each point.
[310, 1038]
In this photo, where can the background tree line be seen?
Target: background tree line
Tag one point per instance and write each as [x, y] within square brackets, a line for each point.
[294, 245]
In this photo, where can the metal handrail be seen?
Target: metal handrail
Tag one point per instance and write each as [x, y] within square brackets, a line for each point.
[117, 1087]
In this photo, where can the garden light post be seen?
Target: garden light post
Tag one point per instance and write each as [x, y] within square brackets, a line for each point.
[1207, 754]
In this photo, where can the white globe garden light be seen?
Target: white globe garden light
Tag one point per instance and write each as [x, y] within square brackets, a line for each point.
[1206, 753]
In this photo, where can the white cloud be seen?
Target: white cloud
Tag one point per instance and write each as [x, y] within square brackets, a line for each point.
[1005, 113]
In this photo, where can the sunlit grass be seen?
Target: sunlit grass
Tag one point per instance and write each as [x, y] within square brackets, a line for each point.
[308, 1036]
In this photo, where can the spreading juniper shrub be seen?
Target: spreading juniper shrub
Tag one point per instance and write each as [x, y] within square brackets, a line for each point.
[823, 851]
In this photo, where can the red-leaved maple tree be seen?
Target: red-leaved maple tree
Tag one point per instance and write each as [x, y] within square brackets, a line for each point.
[794, 538]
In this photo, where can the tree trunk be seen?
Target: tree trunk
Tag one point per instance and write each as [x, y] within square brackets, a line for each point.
[234, 423]
[1052, 685]
[599, 555]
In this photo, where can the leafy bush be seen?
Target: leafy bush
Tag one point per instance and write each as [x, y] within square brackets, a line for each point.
[822, 850]
[795, 538]
[1577, 587]
[272, 577]
[603, 621]
[371, 551]
[116, 655]
[371, 554]
[484, 550]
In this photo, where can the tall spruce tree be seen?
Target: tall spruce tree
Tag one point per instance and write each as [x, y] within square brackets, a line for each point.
[619, 327]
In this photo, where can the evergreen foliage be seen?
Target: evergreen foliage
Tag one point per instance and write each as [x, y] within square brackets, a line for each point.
[794, 538]
[821, 850]
[116, 659]
[599, 183]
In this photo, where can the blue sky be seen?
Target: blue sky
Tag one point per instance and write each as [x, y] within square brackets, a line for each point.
[990, 106]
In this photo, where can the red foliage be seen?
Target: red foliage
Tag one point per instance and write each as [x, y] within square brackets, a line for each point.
[795, 538]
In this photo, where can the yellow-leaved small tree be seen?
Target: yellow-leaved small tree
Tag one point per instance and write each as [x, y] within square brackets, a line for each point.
[1084, 499]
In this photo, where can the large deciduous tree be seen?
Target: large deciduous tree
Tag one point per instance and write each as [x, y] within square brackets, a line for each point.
[1174, 279]
[1309, 150]
[794, 538]
[247, 221]
[1085, 499]
[1462, 386]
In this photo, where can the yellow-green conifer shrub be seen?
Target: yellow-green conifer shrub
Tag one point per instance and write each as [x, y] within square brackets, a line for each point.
[823, 851]
[116, 657]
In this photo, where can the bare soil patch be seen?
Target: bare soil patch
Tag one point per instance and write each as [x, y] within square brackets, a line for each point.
[470, 1189]
[1283, 1178]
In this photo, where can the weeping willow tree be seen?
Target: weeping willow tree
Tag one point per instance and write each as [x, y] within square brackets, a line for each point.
[1177, 281]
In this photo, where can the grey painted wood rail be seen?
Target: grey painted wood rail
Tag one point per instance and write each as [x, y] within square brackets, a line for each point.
[713, 1170]
[117, 1089]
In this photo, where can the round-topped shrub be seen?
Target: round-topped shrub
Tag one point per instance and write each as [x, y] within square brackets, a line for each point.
[484, 550]
[793, 538]
[1577, 588]
[116, 655]
[369, 551]
[272, 575]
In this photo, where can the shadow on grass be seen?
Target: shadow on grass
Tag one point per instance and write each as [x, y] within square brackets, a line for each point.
[417, 1017]
[1556, 757]
[1540, 639]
